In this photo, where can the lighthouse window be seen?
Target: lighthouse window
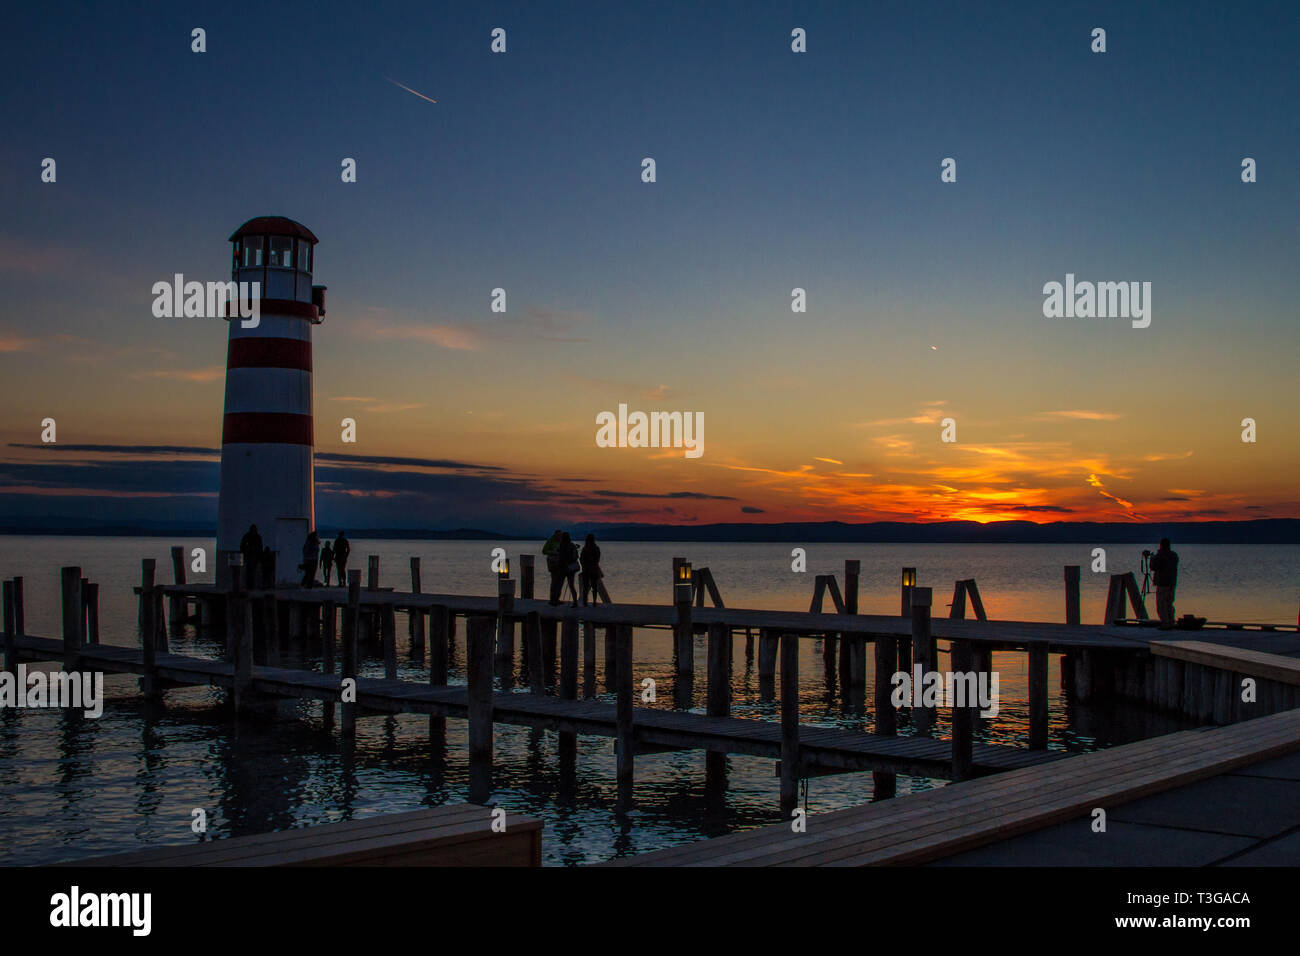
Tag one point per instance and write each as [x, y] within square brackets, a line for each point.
[252, 251]
[304, 255]
[281, 252]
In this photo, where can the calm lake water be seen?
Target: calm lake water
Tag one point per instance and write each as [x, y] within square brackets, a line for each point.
[72, 787]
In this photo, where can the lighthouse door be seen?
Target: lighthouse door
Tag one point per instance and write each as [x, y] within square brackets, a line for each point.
[290, 536]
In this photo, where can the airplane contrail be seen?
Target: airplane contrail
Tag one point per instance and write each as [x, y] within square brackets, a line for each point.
[409, 90]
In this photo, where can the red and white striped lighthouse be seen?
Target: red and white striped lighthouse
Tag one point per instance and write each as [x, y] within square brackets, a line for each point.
[266, 434]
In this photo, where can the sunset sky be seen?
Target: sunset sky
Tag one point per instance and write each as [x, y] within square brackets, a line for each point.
[775, 170]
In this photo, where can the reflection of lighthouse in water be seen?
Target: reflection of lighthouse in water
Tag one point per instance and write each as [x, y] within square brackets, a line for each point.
[266, 434]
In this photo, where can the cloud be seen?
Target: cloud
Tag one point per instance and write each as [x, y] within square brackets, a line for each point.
[122, 449]
[1054, 509]
[212, 373]
[829, 461]
[1082, 414]
[751, 510]
[693, 495]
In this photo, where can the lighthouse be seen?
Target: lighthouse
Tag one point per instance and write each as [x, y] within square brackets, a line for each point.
[266, 431]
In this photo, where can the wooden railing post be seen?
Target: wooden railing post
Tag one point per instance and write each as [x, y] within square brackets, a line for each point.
[414, 615]
[1038, 695]
[963, 722]
[1072, 594]
[768, 646]
[624, 740]
[527, 572]
[91, 598]
[533, 651]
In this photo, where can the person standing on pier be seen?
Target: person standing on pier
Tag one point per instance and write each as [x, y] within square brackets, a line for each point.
[326, 563]
[310, 557]
[569, 562]
[1164, 574]
[591, 573]
[551, 551]
[250, 546]
[341, 549]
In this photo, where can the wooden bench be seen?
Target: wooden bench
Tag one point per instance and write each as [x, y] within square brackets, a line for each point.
[458, 835]
[938, 823]
[1247, 663]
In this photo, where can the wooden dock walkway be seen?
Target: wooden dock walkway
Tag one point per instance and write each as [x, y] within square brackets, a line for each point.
[821, 748]
[929, 826]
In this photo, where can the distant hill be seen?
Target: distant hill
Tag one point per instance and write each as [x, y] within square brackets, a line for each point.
[1258, 531]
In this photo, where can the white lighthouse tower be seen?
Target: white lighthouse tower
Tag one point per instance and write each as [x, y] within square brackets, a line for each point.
[266, 434]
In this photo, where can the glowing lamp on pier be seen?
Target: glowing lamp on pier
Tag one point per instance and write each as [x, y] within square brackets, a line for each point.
[909, 577]
[909, 584]
[685, 583]
[505, 586]
[503, 569]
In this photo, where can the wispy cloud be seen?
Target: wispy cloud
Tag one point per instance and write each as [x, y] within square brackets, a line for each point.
[409, 90]
[1082, 414]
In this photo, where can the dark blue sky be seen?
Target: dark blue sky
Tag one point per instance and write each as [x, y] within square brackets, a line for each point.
[775, 170]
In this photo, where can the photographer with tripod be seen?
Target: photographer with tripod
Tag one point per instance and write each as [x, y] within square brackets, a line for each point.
[1164, 573]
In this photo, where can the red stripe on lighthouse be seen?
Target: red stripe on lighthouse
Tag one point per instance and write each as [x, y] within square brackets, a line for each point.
[267, 352]
[266, 427]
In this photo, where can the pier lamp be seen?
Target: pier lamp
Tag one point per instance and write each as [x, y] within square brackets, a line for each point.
[685, 584]
[503, 571]
[505, 587]
[909, 582]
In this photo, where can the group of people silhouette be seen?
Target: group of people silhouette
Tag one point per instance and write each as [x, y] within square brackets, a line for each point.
[565, 562]
[332, 558]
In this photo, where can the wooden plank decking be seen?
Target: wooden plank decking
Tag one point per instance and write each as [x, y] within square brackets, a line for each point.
[938, 823]
[454, 835]
[1242, 661]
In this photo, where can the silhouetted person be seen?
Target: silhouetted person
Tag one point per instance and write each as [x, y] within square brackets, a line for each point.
[591, 573]
[310, 557]
[326, 563]
[341, 549]
[551, 551]
[569, 561]
[1164, 575]
[250, 546]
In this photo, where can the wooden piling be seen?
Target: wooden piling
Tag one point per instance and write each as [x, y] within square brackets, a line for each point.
[1038, 695]
[569, 659]
[71, 617]
[790, 769]
[588, 659]
[479, 673]
[963, 722]
[533, 645]
[624, 740]
[923, 644]
[239, 624]
[1072, 572]
[351, 624]
[19, 626]
[90, 595]
[388, 627]
[372, 572]
[11, 653]
[684, 640]
[976, 603]
[527, 573]
[178, 604]
[768, 644]
[148, 631]
[415, 616]
[958, 610]
[611, 644]
[719, 689]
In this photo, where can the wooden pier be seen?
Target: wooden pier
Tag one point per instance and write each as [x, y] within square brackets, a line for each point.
[339, 622]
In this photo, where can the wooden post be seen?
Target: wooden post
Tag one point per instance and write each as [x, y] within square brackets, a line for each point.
[526, 575]
[19, 626]
[625, 745]
[83, 612]
[550, 629]
[414, 615]
[819, 594]
[1072, 594]
[239, 628]
[388, 629]
[71, 617]
[533, 645]
[976, 603]
[588, 659]
[372, 572]
[569, 659]
[505, 655]
[148, 631]
[178, 603]
[1135, 596]
[1114, 600]
[438, 627]
[684, 639]
[719, 689]
[328, 632]
[1038, 693]
[790, 768]
[677, 565]
[611, 653]
[92, 611]
[768, 644]
[351, 624]
[924, 652]
[963, 724]
[958, 610]
[479, 673]
[11, 652]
